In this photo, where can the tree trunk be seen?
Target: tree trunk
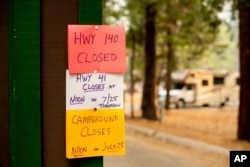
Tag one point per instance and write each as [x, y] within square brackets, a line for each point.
[169, 67]
[148, 100]
[170, 53]
[244, 38]
[132, 59]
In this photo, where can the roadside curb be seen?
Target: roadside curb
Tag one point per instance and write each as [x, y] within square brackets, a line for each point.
[178, 140]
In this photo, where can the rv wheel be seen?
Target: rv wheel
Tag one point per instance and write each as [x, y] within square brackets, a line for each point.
[180, 103]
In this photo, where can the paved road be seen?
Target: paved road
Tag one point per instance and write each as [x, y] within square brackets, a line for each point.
[143, 154]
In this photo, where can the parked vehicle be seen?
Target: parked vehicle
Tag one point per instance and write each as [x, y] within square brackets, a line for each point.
[203, 88]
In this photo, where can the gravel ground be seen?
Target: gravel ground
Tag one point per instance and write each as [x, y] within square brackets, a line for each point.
[211, 124]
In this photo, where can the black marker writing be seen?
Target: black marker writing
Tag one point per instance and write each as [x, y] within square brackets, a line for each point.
[93, 87]
[83, 77]
[76, 100]
[81, 38]
[110, 38]
[113, 147]
[109, 98]
[84, 57]
[78, 151]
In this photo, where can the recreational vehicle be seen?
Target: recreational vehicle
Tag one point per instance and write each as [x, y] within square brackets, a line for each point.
[203, 88]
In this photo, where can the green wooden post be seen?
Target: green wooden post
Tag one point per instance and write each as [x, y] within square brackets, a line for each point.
[24, 83]
[90, 12]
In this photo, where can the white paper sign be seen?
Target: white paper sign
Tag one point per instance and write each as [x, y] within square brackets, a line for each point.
[94, 90]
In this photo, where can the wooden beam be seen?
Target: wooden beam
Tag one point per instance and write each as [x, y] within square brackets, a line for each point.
[24, 83]
[90, 12]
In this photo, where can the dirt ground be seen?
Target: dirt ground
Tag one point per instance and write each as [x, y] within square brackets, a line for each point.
[212, 125]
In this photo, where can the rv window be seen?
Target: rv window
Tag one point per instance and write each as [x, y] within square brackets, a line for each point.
[237, 81]
[192, 75]
[204, 82]
[189, 87]
[218, 80]
[177, 85]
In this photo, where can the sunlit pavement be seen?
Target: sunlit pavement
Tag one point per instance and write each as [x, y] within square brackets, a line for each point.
[140, 153]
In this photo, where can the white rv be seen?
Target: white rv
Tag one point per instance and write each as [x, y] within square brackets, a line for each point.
[203, 88]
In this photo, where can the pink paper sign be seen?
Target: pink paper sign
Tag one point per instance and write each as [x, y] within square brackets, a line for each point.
[93, 48]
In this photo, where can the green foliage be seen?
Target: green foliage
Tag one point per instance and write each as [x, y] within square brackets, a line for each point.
[236, 3]
[130, 14]
[194, 26]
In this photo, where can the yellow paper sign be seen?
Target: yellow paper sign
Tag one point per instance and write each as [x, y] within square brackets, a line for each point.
[95, 133]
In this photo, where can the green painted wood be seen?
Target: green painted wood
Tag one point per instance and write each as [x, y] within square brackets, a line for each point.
[91, 162]
[24, 83]
[90, 12]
